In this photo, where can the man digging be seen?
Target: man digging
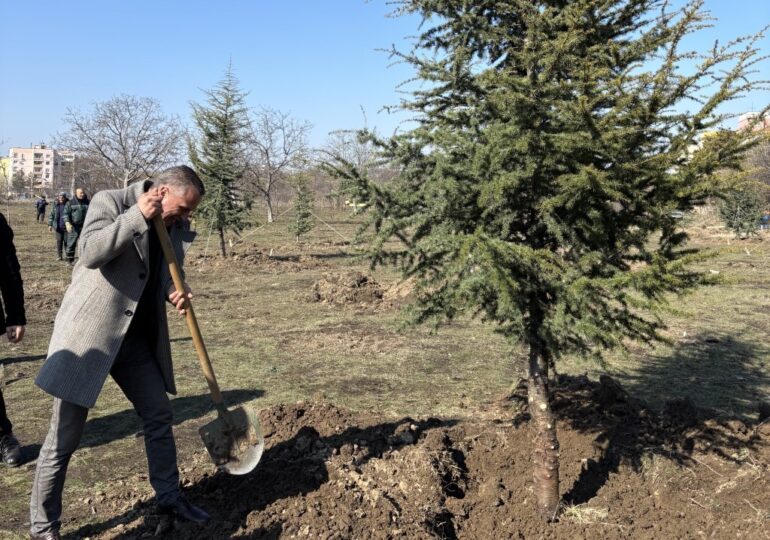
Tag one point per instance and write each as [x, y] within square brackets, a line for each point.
[112, 321]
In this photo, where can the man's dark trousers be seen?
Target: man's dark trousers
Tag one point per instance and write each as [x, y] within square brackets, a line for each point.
[72, 241]
[5, 424]
[61, 242]
[139, 377]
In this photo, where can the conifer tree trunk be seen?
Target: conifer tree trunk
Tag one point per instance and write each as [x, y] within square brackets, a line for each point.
[222, 242]
[545, 450]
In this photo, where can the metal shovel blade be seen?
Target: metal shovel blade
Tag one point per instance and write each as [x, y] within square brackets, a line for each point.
[234, 440]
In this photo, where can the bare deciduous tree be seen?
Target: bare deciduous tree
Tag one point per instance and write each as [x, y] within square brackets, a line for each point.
[128, 137]
[277, 146]
[346, 146]
[88, 173]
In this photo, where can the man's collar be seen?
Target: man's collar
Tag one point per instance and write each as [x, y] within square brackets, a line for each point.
[133, 192]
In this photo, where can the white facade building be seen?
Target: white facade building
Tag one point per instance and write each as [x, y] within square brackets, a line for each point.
[44, 168]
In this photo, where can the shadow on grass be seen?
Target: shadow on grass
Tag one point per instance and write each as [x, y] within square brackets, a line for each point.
[20, 359]
[719, 373]
[289, 468]
[710, 370]
[112, 427]
[335, 255]
[715, 371]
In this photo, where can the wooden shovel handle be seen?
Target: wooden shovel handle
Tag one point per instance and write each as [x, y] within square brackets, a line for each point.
[192, 322]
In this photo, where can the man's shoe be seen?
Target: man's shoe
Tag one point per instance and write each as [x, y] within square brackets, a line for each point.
[10, 452]
[52, 535]
[184, 510]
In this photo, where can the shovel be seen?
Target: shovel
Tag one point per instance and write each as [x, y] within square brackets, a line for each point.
[234, 440]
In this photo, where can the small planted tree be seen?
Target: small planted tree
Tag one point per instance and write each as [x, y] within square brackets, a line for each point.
[19, 182]
[741, 209]
[217, 154]
[303, 207]
[553, 146]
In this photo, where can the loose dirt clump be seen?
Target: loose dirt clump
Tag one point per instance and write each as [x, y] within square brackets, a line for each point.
[400, 293]
[346, 288]
[627, 472]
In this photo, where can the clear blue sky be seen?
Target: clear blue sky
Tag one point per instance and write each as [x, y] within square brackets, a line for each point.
[316, 59]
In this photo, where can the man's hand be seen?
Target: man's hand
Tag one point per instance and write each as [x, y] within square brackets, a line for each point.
[179, 299]
[68, 226]
[14, 333]
[50, 229]
[149, 203]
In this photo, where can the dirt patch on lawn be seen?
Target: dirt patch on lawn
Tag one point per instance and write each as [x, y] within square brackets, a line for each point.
[627, 472]
[359, 340]
[43, 294]
[254, 259]
[346, 288]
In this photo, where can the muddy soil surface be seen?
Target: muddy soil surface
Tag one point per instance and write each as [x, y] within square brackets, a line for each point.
[627, 472]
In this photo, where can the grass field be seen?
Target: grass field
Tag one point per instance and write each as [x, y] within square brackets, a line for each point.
[270, 344]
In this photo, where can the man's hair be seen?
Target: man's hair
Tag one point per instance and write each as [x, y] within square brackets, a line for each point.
[180, 176]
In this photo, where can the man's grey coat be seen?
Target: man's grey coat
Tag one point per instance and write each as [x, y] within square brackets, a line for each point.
[97, 308]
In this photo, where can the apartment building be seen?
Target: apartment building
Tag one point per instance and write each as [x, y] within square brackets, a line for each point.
[45, 169]
[746, 119]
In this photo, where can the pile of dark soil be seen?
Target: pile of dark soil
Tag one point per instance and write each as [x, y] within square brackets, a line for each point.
[347, 288]
[627, 472]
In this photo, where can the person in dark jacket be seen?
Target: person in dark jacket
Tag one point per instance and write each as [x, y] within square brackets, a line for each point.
[57, 224]
[40, 206]
[12, 319]
[74, 217]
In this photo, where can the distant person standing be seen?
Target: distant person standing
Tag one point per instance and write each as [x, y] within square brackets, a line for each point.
[74, 216]
[40, 206]
[12, 320]
[56, 222]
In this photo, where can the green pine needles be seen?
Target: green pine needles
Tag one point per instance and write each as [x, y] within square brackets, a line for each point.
[217, 156]
[555, 142]
[742, 209]
[303, 207]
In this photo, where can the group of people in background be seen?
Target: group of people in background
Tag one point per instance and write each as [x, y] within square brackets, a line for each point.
[65, 220]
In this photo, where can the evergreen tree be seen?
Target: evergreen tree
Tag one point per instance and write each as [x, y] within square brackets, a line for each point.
[303, 207]
[19, 182]
[217, 156]
[538, 189]
[742, 209]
